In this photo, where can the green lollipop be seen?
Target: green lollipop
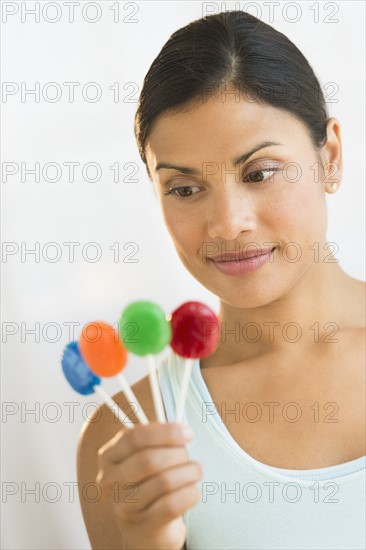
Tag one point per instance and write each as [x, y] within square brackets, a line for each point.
[145, 330]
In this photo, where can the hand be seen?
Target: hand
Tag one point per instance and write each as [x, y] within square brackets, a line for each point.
[147, 478]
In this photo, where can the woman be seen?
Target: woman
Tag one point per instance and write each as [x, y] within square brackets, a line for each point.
[233, 129]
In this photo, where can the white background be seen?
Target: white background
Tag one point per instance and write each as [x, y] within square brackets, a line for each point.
[35, 449]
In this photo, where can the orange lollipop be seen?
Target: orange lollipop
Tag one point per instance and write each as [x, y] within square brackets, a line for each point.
[102, 350]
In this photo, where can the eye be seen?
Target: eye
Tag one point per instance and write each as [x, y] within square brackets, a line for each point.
[256, 176]
[174, 190]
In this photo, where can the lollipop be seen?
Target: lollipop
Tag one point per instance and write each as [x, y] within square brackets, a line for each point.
[103, 352]
[84, 381]
[144, 330]
[196, 331]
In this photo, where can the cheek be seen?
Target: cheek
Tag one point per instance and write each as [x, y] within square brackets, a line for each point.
[182, 227]
[299, 213]
[309, 206]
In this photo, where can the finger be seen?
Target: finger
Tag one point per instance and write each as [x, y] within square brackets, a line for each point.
[150, 490]
[142, 465]
[151, 461]
[154, 434]
[171, 505]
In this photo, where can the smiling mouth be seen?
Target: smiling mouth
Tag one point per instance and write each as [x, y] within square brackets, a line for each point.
[238, 260]
[250, 257]
[243, 266]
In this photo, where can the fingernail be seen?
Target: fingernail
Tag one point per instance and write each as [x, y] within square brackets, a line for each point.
[187, 431]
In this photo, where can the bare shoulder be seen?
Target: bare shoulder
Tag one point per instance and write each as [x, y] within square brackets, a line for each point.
[102, 530]
[361, 286]
[360, 314]
[357, 303]
[352, 302]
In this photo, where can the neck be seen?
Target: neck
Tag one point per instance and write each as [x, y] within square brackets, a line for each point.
[315, 309]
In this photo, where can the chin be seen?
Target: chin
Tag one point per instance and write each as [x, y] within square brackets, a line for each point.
[240, 293]
[246, 301]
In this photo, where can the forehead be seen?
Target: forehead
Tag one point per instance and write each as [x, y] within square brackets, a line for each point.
[219, 129]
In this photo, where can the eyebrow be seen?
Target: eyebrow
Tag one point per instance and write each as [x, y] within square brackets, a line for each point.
[236, 161]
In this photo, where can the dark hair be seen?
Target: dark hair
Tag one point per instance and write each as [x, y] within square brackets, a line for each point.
[235, 50]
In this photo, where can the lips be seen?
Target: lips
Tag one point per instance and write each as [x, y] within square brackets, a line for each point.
[236, 257]
[245, 266]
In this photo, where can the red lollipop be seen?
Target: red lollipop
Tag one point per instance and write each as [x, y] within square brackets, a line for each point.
[196, 331]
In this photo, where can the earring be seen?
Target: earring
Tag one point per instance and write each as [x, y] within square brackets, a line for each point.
[334, 186]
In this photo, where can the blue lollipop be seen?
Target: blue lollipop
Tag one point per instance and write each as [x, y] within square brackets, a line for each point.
[85, 382]
[76, 371]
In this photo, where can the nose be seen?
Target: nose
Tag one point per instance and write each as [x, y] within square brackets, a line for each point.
[230, 213]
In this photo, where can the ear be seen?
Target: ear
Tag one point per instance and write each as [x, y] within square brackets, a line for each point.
[331, 157]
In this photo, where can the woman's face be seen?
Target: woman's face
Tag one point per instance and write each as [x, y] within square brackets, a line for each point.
[225, 208]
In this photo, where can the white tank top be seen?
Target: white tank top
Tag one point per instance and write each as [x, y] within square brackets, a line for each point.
[246, 504]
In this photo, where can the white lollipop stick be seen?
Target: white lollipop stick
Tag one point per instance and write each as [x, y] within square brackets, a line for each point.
[131, 397]
[155, 389]
[188, 364]
[120, 415]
